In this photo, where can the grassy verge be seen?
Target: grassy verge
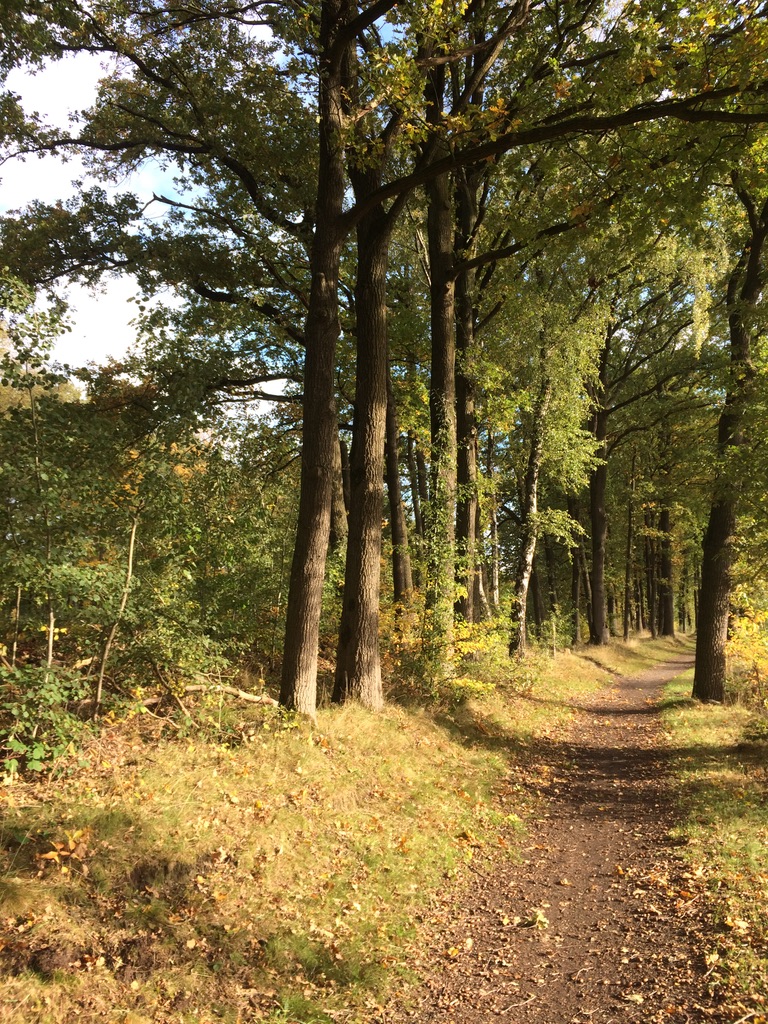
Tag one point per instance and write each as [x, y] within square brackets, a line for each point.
[722, 767]
[269, 871]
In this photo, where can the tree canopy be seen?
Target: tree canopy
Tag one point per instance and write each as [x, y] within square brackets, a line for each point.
[517, 248]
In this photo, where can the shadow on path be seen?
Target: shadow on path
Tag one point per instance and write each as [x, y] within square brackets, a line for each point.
[592, 927]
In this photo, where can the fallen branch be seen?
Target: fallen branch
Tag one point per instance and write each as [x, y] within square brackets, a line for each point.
[231, 691]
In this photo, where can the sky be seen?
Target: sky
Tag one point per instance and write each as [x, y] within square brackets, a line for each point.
[101, 320]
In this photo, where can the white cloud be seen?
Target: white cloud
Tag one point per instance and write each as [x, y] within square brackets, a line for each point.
[100, 318]
[101, 321]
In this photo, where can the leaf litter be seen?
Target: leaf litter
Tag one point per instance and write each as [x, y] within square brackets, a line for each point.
[600, 921]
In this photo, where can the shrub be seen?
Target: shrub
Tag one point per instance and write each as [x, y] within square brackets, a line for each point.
[39, 719]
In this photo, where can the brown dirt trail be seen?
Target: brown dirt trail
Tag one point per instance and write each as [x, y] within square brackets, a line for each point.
[598, 923]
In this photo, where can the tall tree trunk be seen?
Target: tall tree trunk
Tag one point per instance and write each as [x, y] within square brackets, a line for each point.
[468, 182]
[415, 485]
[467, 503]
[482, 605]
[442, 407]
[320, 436]
[575, 553]
[666, 582]
[587, 585]
[599, 523]
[549, 557]
[539, 613]
[612, 605]
[628, 554]
[358, 665]
[493, 527]
[714, 603]
[576, 595]
[650, 575]
[598, 631]
[743, 295]
[358, 662]
[339, 503]
[345, 484]
[402, 580]
[418, 505]
[528, 524]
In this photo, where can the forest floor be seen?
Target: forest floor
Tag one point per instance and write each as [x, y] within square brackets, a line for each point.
[567, 847]
[601, 921]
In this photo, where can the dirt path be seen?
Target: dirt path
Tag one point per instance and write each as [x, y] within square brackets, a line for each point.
[598, 924]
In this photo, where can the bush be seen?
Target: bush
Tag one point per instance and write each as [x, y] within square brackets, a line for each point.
[39, 716]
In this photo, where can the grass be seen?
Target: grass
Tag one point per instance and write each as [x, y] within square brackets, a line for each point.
[721, 763]
[270, 871]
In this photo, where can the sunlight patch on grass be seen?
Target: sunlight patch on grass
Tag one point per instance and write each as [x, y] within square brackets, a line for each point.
[185, 880]
[723, 782]
[272, 870]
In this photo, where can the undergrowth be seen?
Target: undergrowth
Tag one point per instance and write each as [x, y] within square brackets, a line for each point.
[259, 868]
[721, 761]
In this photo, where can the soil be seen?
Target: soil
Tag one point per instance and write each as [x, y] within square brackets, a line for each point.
[600, 922]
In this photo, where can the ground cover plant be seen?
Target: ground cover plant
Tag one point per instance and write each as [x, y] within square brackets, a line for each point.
[721, 757]
[268, 870]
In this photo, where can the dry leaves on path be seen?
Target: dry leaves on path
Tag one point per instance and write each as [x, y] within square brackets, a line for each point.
[599, 922]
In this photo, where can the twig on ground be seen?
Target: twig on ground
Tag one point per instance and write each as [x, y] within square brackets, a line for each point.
[516, 1006]
[752, 1013]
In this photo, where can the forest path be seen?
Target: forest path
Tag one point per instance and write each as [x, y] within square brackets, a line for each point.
[598, 923]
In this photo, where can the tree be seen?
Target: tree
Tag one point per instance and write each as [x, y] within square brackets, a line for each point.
[198, 91]
[744, 290]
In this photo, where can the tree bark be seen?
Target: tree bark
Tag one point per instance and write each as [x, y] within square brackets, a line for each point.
[441, 535]
[743, 294]
[482, 606]
[529, 508]
[598, 630]
[339, 504]
[587, 585]
[415, 485]
[628, 555]
[402, 580]
[358, 662]
[650, 576]
[666, 581]
[539, 614]
[345, 485]
[714, 603]
[493, 528]
[467, 503]
[320, 436]
[576, 595]
[599, 523]
[550, 561]
[358, 665]
[575, 553]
